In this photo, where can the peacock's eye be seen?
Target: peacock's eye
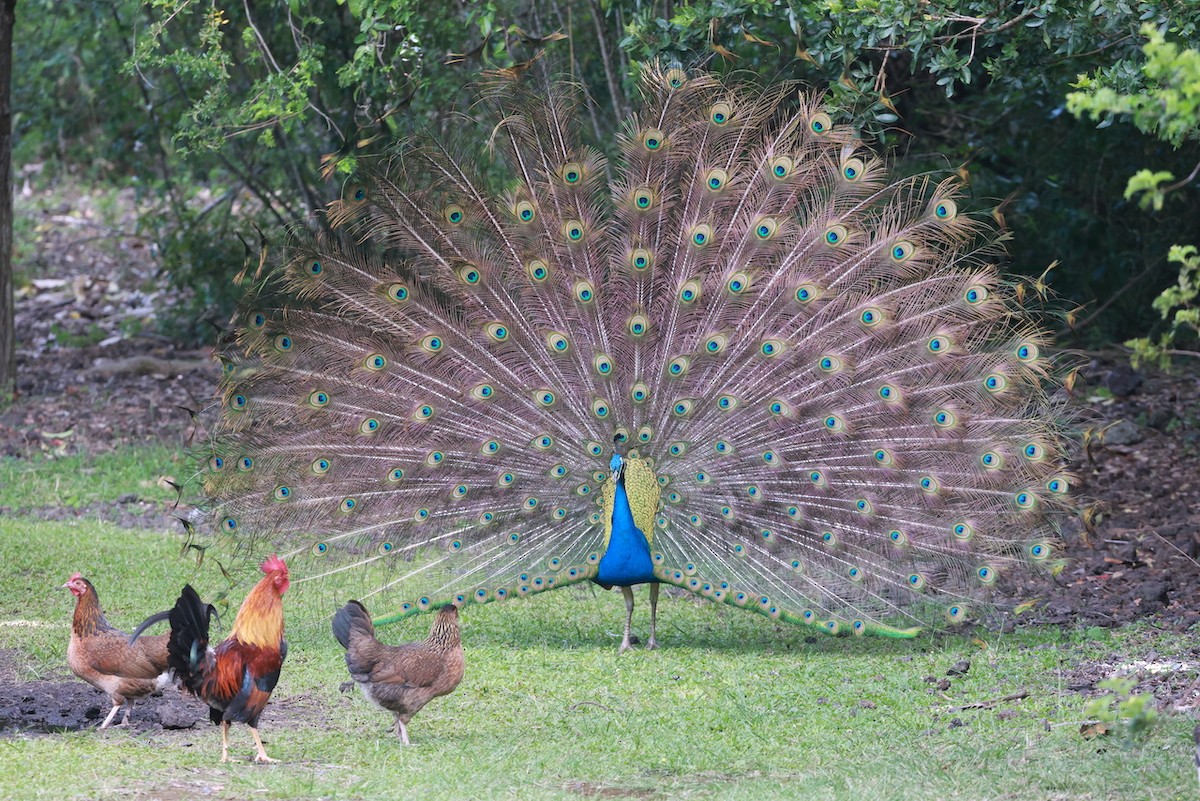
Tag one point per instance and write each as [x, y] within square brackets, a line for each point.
[652, 139]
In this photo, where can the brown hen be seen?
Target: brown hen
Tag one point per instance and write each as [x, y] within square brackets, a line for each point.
[100, 655]
[401, 678]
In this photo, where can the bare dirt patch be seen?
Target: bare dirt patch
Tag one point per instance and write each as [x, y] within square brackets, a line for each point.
[49, 706]
[58, 706]
[1141, 561]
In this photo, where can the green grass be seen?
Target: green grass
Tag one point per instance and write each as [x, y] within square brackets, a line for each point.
[80, 479]
[730, 707]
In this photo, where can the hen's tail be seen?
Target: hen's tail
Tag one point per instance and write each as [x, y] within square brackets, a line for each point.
[352, 616]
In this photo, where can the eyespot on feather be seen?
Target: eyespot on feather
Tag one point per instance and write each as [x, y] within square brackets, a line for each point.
[945, 210]
[640, 259]
[537, 270]
[715, 180]
[572, 173]
[853, 169]
[719, 114]
[781, 167]
[573, 231]
[525, 212]
[643, 198]
[653, 139]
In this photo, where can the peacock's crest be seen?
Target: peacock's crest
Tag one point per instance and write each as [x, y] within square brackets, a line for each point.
[807, 385]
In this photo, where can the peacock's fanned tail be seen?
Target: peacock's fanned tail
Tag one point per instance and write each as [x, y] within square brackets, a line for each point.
[837, 411]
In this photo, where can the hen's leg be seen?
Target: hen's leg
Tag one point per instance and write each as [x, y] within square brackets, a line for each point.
[402, 730]
[112, 713]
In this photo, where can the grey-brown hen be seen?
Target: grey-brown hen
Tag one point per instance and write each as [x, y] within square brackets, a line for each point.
[401, 678]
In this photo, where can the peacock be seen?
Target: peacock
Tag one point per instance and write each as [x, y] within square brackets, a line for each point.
[737, 359]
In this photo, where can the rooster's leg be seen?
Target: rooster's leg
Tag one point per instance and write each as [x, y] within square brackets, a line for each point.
[225, 741]
[652, 643]
[261, 756]
[625, 642]
[112, 713]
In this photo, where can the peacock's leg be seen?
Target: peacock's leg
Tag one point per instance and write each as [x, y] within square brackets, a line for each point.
[625, 643]
[652, 643]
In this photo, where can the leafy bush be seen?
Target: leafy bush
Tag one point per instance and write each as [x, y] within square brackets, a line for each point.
[252, 116]
[1161, 99]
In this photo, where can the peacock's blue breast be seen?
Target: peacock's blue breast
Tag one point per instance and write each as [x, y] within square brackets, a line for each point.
[627, 558]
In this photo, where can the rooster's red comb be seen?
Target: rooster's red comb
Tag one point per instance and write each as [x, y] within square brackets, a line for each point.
[273, 564]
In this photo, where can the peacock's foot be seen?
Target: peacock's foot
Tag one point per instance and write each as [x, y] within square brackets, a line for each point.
[651, 644]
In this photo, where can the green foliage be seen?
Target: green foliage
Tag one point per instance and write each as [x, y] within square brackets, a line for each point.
[1132, 714]
[71, 102]
[69, 339]
[1162, 100]
[1151, 183]
[1180, 305]
[222, 116]
[864, 48]
[1165, 104]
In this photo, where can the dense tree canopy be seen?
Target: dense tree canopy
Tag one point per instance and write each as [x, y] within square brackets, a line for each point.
[225, 118]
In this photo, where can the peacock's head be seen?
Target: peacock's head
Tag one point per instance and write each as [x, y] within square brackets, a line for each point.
[617, 463]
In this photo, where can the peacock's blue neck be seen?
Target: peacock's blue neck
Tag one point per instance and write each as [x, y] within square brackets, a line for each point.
[627, 559]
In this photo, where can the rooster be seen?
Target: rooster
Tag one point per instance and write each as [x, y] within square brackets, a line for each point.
[100, 655]
[237, 677]
[401, 678]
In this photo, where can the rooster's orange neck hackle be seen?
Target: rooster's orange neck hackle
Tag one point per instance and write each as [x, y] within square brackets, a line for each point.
[259, 621]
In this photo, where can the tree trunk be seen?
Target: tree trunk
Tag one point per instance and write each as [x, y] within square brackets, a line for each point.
[8, 333]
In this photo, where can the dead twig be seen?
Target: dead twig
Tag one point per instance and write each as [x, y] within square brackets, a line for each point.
[990, 704]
